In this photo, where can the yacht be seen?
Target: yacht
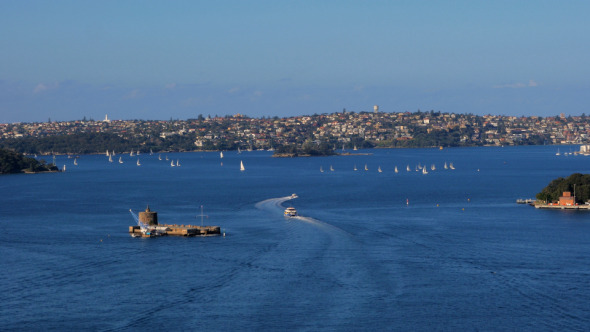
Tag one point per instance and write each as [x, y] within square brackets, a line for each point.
[290, 212]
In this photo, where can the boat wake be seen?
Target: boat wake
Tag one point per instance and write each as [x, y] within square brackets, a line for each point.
[275, 205]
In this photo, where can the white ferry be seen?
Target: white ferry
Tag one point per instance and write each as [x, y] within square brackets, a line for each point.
[290, 212]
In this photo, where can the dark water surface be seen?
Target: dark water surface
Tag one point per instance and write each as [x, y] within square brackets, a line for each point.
[460, 255]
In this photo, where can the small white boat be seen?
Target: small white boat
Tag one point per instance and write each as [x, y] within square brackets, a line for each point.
[138, 163]
[331, 168]
[172, 164]
[366, 168]
[424, 171]
[76, 161]
[166, 157]
[107, 154]
[177, 163]
[159, 157]
[290, 212]
[242, 168]
[446, 167]
[138, 152]
[120, 160]
[395, 169]
[379, 169]
[451, 166]
[221, 154]
[355, 167]
[558, 154]
[321, 169]
[433, 168]
[355, 148]
[131, 153]
[110, 159]
[408, 168]
[63, 169]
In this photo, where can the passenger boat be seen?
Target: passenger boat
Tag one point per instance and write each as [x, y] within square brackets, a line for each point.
[290, 212]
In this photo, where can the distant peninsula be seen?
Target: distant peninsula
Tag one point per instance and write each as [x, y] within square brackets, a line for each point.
[13, 162]
[307, 149]
[573, 190]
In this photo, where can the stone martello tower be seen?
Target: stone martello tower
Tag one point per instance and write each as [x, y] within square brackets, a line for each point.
[148, 217]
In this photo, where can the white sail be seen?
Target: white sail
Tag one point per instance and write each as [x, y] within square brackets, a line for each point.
[107, 153]
[177, 163]
[131, 153]
[172, 163]
[159, 157]
[424, 171]
[366, 168]
[242, 168]
[113, 154]
[120, 160]
[110, 159]
[138, 163]
[451, 166]
[395, 169]
[355, 167]
[557, 154]
[379, 169]
[331, 168]
[221, 154]
[354, 148]
[76, 162]
[321, 169]
[166, 157]
[408, 168]
[446, 167]
[64, 168]
[432, 168]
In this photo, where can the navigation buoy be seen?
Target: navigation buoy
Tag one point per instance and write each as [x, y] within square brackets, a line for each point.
[407, 201]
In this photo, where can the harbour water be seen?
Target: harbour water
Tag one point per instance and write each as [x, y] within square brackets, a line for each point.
[370, 250]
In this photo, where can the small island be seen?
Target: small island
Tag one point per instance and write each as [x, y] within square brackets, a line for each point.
[13, 162]
[572, 192]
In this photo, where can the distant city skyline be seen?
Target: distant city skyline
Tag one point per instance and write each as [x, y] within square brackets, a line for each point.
[151, 60]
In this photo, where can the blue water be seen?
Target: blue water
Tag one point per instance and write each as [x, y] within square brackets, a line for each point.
[460, 255]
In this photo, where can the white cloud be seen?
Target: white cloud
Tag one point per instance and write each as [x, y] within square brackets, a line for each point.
[519, 85]
[134, 94]
[44, 87]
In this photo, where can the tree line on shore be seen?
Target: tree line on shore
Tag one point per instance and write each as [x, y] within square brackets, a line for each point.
[577, 183]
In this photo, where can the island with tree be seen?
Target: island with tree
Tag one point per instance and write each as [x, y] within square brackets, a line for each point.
[572, 192]
[13, 162]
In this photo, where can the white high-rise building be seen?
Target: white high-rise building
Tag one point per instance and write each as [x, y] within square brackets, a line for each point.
[106, 118]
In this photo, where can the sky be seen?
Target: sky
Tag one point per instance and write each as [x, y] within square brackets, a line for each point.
[161, 60]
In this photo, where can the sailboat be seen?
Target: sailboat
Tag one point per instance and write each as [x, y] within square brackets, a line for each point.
[159, 157]
[408, 168]
[446, 167]
[355, 167]
[239, 151]
[432, 168]
[131, 153]
[110, 159]
[177, 163]
[120, 160]
[166, 157]
[331, 168]
[451, 166]
[76, 161]
[242, 168]
[151, 152]
[379, 169]
[395, 169]
[355, 148]
[558, 154]
[321, 169]
[424, 171]
[107, 153]
[113, 154]
[138, 152]
[172, 163]
[221, 154]
[366, 168]
[138, 163]
[64, 168]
